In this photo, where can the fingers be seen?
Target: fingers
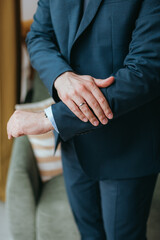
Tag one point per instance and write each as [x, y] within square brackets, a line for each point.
[100, 105]
[102, 83]
[75, 89]
[83, 112]
[13, 132]
[13, 127]
[95, 106]
[9, 137]
[28, 123]
[95, 100]
[90, 101]
[75, 109]
[102, 102]
[89, 114]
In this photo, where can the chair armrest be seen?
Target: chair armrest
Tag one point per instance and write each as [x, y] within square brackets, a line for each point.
[23, 191]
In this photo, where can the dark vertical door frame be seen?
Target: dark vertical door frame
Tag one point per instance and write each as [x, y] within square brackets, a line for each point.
[18, 47]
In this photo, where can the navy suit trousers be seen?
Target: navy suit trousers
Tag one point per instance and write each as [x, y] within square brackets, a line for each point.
[108, 209]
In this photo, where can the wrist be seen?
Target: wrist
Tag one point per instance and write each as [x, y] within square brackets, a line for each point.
[46, 122]
[60, 77]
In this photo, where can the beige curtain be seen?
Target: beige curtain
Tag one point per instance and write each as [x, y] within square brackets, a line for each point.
[8, 82]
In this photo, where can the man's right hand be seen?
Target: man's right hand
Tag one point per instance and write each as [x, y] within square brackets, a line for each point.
[79, 92]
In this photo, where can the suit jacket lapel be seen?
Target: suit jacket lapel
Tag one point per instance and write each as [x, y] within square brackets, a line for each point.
[88, 16]
[72, 11]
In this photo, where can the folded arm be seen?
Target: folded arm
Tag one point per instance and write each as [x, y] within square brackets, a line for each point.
[43, 49]
[136, 84]
[47, 59]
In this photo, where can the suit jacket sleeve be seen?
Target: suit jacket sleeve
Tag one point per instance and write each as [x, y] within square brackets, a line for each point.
[43, 49]
[136, 84]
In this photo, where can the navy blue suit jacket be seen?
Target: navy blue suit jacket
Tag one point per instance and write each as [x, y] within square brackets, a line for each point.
[114, 37]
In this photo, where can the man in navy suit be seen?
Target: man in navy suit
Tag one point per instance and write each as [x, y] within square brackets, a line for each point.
[100, 60]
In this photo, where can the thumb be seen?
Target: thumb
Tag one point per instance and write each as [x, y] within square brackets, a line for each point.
[102, 83]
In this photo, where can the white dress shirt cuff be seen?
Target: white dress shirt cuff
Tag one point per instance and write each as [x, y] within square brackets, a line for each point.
[50, 116]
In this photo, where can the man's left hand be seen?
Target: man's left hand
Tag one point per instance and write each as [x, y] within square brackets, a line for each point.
[28, 123]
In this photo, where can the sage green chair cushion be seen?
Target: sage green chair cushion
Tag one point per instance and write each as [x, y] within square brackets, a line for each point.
[22, 192]
[54, 214]
[36, 210]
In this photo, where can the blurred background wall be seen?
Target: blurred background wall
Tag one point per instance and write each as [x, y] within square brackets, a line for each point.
[28, 8]
[14, 61]
[9, 77]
